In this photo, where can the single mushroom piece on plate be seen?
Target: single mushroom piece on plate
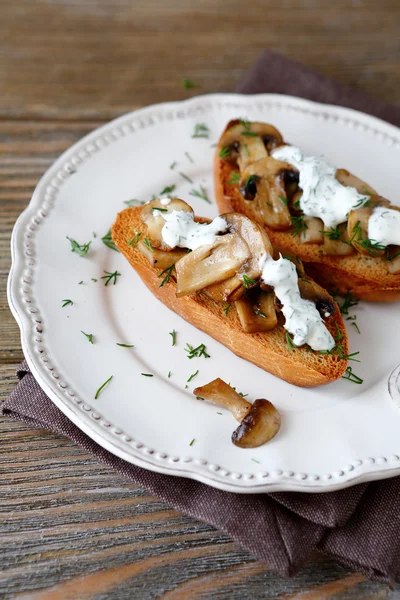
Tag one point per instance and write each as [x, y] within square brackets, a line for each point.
[152, 216]
[259, 422]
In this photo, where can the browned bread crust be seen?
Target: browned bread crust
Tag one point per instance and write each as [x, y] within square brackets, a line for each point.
[268, 351]
[365, 277]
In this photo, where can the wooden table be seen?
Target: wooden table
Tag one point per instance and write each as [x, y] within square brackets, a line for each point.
[71, 528]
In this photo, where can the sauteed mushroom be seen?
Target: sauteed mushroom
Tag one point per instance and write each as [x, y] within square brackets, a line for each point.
[210, 264]
[310, 290]
[257, 312]
[158, 258]
[259, 422]
[151, 215]
[266, 178]
[247, 142]
[312, 233]
[346, 178]
[357, 227]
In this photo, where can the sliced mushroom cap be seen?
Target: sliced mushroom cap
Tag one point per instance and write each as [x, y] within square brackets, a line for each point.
[210, 264]
[357, 227]
[257, 312]
[266, 178]
[310, 290]
[247, 142]
[160, 259]
[228, 290]
[255, 237]
[151, 215]
[337, 241]
[312, 233]
[259, 426]
[346, 178]
[221, 393]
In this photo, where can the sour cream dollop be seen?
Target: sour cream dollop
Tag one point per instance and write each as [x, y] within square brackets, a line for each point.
[323, 195]
[181, 230]
[303, 320]
[384, 226]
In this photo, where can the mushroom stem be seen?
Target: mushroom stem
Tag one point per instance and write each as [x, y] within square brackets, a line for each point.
[259, 422]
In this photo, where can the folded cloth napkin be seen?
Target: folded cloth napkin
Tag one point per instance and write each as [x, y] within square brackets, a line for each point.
[358, 526]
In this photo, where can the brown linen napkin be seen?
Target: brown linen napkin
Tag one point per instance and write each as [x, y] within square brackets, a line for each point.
[359, 526]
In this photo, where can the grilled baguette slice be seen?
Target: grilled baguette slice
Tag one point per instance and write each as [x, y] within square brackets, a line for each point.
[366, 277]
[268, 351]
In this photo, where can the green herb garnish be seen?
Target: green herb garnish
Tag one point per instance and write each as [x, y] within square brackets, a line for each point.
[333, 233]
[259, 313]
[168, 272]
[134, 241]
[147, 374]
[67, 303]
[80, 283]
[148, 245]
[249, 133]
[81, 249]
[108, 241]
[190, 159]
[173, 165]
[201, 131]
[160, 209]
[339, 333]
[186, 177]
[193, 376]
[101, 388]
[110, 277]
[226, 309]
[225, 152]
[246, 149]
[352, 376]
[200, 194]
[349, 301]
[247, 282]
[235, 178]
[173, 335]
[283, 199]
[89, 336]
[356, 326]
[256, 461]
[188, 83]
[192, 442]
[299, 225]
[167, 190]
[289, 342]
[196, 352]
[134, 202]
[169, 374]
[125, 345]
[393, 255]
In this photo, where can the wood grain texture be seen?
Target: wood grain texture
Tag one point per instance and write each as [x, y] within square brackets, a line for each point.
[72, 528]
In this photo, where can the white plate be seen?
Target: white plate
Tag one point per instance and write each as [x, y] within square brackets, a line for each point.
[331, 437]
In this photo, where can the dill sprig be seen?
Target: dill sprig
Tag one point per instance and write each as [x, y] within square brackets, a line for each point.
[108, 241]
[333, 233]
[81, 249]
[148, 245]
[168, 272]
[196, 352]
[89, 336]
[188, 84]
[201, 131]
[356, 327]
[110, 277]
[134, 202]
[125, 345]
[193, 376]
[289, 342]
[200, 194]
[350, 376]
[299, 225]
[235, 178]
[190, 159]
[167, 190]
[101, 388]
[225, 152]
[67, 303]
[283, 200]
[226, 309]
[186, 177]
[173, 335]
[248, 282]
[134, 241]
[259, 313]
[147, 374]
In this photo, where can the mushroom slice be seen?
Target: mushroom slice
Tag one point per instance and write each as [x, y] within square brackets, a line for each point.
[246, 142]
[257, 312]
[337, 241]
[357, 227]
[260, 425]
[151, 215]
[346, 178]
[159, 258]
[211, 263]
[257, 240]
[393, 259]
[312, 232]
[310, 290]
[266, 178]
[226, 291]
[221, 393]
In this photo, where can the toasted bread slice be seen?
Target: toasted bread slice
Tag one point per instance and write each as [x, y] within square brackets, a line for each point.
[366, 277]
[269, 351]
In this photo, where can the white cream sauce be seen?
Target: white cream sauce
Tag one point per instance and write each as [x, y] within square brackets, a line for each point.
[303, 320]
[181, 230]
[323, 195]
[384, 226]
